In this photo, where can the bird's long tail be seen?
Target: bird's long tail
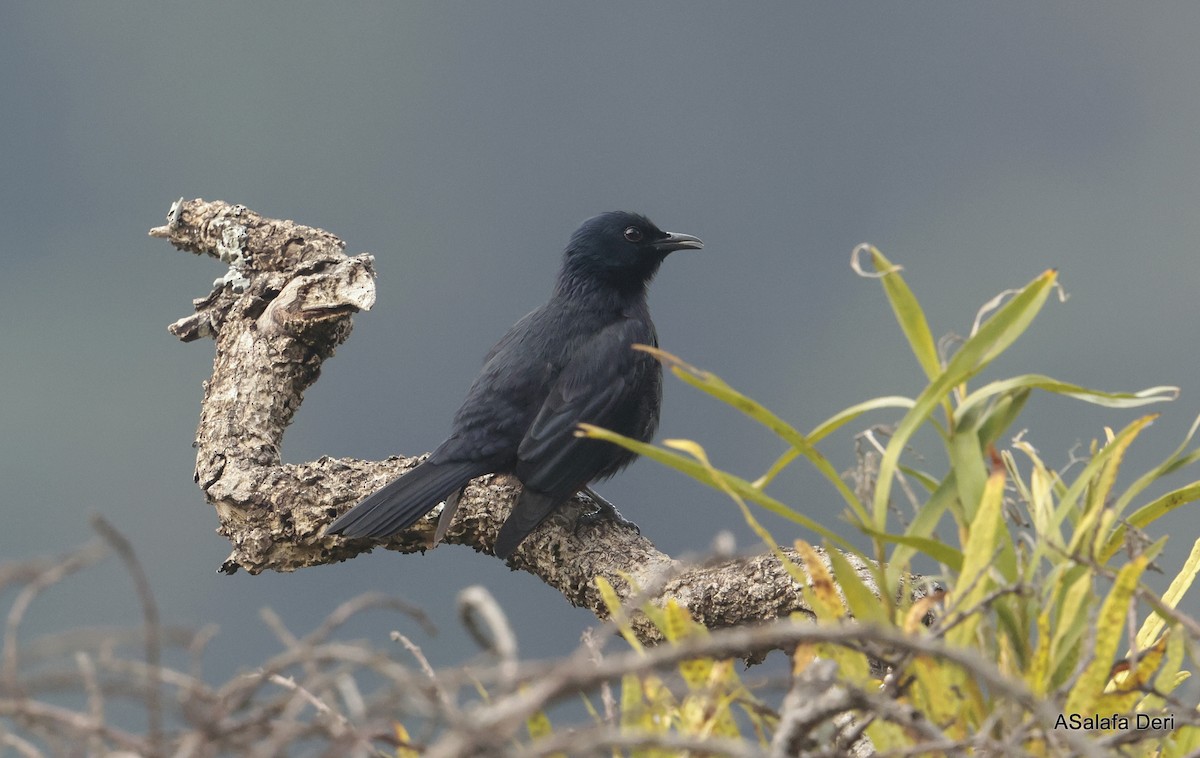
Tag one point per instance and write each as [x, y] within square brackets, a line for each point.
[531, 509]
[404, 500]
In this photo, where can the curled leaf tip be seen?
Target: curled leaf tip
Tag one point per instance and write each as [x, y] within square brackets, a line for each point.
[877, 259]
[688, 446]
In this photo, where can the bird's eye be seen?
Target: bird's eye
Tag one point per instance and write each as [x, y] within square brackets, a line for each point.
[633, 234]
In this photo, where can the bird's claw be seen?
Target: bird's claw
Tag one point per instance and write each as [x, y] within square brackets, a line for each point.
[604, 511]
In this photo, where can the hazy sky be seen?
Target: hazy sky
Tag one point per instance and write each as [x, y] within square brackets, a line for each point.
[976, 145]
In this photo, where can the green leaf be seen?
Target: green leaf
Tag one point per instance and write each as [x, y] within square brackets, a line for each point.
[993, 337]
[1036, 381]
[712, 384]
[970, 473]
[827, 427]
[840, 419]
[1000, 417]
[863, 603]
[698, 472]
[909, 314]
[921, 530]
[924, 478]
[1178, 459]
[935, 549]
[1150, 513]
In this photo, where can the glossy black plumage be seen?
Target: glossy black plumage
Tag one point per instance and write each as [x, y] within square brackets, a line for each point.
[568, 362]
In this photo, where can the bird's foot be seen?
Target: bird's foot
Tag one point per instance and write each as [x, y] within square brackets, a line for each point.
[605, 511]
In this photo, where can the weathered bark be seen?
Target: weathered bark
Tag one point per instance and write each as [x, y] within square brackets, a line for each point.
[279, 312]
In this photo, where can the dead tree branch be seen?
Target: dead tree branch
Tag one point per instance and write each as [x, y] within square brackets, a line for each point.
[278, 313]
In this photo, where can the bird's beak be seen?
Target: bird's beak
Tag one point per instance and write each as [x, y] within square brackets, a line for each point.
[677, 241]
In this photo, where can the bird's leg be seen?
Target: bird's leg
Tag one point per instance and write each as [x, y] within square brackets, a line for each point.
[604, 510]
[447, 515]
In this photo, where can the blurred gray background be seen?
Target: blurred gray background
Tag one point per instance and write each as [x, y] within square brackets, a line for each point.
[461, 144]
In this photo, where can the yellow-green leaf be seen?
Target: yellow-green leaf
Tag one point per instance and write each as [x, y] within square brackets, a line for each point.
[827, 427]
[1175, 461]
[909, 314]
[1086, 693]
[1069, 498]
[701, 474]
[612, 602]
[1149, 395]
[841, 418]
[404, 739]
[820, 590]
[864, 604]
[1038, 675]
[919, 532]
[538, 726]
[1152, 628]
[708, 382]
[1102, 485]
[983, 540]
[1150, 513]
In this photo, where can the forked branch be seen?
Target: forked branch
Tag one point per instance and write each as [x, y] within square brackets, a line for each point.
[285, 303]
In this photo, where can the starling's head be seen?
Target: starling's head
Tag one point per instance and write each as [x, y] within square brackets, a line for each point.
[622, 245]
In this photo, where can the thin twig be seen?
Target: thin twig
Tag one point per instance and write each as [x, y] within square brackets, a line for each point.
[153, 625]
[78, 559]
[87, 672]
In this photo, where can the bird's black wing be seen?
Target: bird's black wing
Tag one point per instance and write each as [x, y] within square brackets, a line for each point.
[598, 386]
